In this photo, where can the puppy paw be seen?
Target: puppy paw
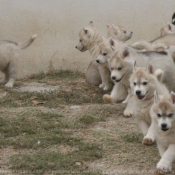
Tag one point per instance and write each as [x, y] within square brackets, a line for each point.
[105, 88]
[147, 141]
[101, 86]
[159, 172]
[128, 113]
[9, 85]
[125, 101]
[165, 166]
[107, 98]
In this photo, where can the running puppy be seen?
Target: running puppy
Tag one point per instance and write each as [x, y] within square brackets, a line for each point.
[9, 50]
[162, 130]
[143, 83]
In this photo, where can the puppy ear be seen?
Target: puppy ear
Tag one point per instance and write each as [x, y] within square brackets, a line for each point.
[91, 23]
[134, 66]
[159, 74]
[169, 26]
[86, 32]
[172, 97]
[149, 68]
[112, 43]
[156, 97]
[115, 27]
[125, 53]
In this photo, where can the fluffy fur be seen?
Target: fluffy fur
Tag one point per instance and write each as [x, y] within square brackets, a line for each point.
[162, 129]
[9, 51]
[143, 83]
[91, 39]
[121, 65]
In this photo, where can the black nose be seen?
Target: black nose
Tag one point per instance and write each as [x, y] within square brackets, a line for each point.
[113, 77]
[76, 47]
[138, 92]
[97, 61]
[164, 125]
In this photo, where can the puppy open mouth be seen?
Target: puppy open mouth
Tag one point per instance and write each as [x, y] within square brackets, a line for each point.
[164, 129]
[140, 96]
[119, 79]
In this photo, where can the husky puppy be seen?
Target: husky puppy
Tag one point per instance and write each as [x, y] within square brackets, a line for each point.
[90, 39]
[10, 50]
[118, 32]
[121, 65]
[143, 83]
[162, 129]
[161, 43]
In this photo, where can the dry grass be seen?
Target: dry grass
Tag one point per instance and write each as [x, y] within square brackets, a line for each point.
[93, 139]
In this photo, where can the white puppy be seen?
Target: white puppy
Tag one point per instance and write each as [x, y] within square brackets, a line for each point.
[162, 130]
[143, 83]
[9, 51]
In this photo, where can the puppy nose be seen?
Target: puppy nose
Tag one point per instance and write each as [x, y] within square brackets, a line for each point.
[97, 61]
[163, 125]
[76, 47]
[113, 77]
[138, 92]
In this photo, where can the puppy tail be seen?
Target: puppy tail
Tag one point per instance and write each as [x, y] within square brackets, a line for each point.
[28, 42]
[140, 45]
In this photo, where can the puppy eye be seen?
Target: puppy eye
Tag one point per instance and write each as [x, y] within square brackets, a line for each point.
[104, 54]
[124, 31]
[120, 68]
[158, 115]
[80, 40]
[170, 115]
[145, 83]
[134, 84]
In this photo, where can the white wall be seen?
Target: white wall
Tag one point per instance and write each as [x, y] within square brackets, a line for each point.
[57, 23]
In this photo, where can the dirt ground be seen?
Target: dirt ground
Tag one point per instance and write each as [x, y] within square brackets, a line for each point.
[56, 123]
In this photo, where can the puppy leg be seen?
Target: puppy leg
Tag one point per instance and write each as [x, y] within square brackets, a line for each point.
[161, 149]
[6, 77]
[150, 136]
[167, 159]
[118, 93]
[105, 76]
[143, 126]
[128, 112]
[11, 73]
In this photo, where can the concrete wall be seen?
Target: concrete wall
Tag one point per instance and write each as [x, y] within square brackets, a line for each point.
[57, 23]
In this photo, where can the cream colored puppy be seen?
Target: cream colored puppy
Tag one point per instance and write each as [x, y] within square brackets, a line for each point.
[121, 65]
[143, 83]
[117, 32]
[9, 51]
[90, 39]
[162, 130]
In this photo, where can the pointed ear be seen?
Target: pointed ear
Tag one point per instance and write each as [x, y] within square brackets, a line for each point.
[108, 26]
[156, 97]
[125, 53]
[149, 68]
[85, 30]
[112, 43]
[91, 23]
[172, 97]
[134, 66]
[115, 27]
[159, 74]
